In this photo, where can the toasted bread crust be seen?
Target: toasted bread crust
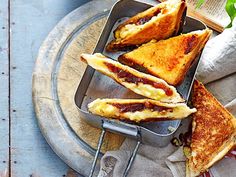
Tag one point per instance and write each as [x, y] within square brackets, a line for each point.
[163, 27]
[214, 132]
[139, 110]
[168, 59]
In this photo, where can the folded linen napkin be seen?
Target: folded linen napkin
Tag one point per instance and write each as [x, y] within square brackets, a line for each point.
[218, 71]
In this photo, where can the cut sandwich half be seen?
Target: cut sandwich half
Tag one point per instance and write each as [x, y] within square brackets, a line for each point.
[140, 83]
[213, 132]
[159, 22]
[168, 59]
[139, 110]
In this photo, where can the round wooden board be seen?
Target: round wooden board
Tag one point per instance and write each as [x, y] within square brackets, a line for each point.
[57, 73]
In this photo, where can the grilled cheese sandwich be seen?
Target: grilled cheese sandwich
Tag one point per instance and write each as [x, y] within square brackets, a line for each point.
[139, 110]
[213, 132]
[159, 22]
[140, 83]
[168, 59]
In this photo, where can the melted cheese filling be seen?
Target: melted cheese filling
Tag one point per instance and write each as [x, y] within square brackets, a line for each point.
[178, 112]
[147, 90]
[104, 108]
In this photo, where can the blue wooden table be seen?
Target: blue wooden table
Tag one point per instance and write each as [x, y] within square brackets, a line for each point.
[24, 24]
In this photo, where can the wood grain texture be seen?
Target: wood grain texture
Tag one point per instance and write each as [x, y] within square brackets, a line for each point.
[4, 77]
[31, 21]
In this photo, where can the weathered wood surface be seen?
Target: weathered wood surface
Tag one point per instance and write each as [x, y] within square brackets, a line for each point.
[4, 87]
[30, 23]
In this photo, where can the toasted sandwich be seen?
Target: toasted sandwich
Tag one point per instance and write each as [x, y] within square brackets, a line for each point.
[140, 83]
[159, 22]
[213, 132]
[168, 59]
[139, 110]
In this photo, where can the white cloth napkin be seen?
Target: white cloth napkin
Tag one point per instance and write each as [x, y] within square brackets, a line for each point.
[217, 70]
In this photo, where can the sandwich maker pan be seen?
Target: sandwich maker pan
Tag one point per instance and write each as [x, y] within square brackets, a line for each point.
[95, 85]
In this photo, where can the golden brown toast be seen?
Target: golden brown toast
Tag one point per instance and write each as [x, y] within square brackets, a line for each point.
[140, 83]
[213, 132]
[159, 22]
[168, 59]
[139, 110]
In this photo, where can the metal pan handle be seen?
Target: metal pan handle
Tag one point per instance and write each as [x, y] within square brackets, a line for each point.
[128, 130]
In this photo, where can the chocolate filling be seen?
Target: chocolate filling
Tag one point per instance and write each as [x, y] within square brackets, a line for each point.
[133, 107]
[128, 77]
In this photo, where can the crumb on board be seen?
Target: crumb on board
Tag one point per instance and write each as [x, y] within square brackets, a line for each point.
[171, 129]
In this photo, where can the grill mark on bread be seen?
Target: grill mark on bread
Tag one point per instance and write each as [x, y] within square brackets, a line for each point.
[216, 134]
[214, 131]
[190, 44]
[130, 78]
